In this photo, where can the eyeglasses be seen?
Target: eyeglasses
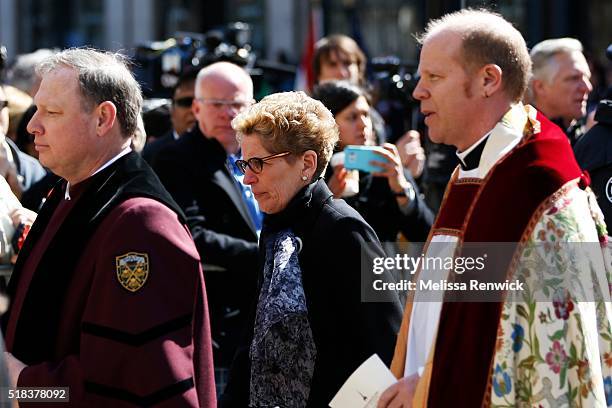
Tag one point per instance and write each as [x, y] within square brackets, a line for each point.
[256, 163]
[3, 104]
[219, 104]
[184, 102]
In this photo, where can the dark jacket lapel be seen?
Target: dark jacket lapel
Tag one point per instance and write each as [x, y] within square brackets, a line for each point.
[226, 182]
[213, 159]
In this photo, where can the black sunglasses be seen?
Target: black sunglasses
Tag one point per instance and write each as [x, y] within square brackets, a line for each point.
[184, 102]
[256, 163]
[3, 104]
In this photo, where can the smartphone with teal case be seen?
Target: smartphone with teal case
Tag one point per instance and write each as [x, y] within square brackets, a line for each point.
[359, 158]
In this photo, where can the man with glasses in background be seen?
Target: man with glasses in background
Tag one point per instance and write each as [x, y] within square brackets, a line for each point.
[181, 115]
[199, 171]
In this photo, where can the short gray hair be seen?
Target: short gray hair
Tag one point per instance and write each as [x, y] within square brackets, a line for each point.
[103, 76]
[542, 55]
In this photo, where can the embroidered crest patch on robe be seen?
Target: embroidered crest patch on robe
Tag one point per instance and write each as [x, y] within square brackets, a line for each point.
[132, 270]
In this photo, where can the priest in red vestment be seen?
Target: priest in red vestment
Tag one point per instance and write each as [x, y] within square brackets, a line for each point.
[519, 185]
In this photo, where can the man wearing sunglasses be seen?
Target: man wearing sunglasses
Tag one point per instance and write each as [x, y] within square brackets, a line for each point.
[181, 116]
[199, 171]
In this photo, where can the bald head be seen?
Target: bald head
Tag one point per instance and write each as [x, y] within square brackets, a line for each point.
[223, 72]
[487, 38]
[222, 91]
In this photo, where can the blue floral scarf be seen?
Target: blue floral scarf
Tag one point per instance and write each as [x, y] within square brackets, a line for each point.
[283, 351]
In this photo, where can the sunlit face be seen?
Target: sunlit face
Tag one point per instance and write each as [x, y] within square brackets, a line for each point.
[64, 131]
[338, 66]
[221, 98]
[279, 180]
[566, 95]
[182, 115]
[445, 90]
[354, 123]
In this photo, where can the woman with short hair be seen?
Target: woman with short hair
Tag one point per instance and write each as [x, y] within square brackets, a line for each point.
[310, 329]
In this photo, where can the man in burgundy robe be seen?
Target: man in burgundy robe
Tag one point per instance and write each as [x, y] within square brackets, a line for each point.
[107, 296]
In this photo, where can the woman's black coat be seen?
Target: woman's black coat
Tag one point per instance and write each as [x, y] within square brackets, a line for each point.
[346, 330]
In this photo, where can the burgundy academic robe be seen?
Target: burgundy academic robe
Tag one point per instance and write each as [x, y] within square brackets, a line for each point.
[113, 346]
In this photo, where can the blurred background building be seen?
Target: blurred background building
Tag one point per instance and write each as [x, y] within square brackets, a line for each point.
[279, 27]
[275, 38]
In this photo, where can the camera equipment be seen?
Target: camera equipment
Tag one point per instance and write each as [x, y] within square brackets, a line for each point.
[396, 79]
[357, 157]
[393, 82]
[160, 63]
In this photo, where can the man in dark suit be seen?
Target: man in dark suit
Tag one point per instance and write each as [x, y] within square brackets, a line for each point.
[199, 172]
[181, 116]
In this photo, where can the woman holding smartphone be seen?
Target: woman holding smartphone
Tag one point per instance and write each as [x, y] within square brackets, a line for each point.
[388, 199]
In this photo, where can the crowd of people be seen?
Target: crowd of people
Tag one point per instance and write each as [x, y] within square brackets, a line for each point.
[221, 262]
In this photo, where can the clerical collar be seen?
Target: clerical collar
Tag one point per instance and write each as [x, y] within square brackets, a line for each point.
[105, 165]
[469, 159]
